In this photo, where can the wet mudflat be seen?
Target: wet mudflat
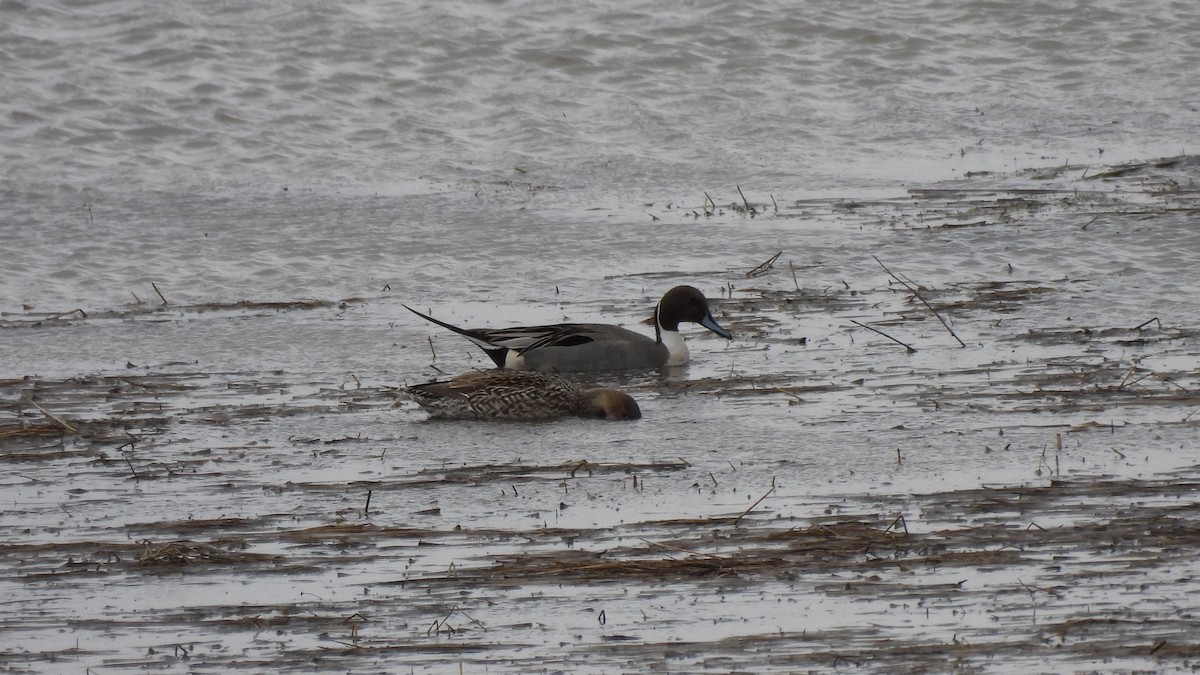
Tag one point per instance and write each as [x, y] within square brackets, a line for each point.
[851, 483]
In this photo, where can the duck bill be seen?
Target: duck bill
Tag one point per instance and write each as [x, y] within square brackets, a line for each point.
[710, 323]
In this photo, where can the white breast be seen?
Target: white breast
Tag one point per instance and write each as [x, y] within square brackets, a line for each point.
[677, 351]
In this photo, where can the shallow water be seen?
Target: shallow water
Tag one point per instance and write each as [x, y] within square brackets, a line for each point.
[267, 499]
[212, 216]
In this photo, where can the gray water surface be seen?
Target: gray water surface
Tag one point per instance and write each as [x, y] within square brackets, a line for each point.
[212, 214]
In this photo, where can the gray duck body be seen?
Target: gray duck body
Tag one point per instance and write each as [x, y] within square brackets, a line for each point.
[590, 347]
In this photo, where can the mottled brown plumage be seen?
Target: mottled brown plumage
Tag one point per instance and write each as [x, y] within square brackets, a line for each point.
[520, 395]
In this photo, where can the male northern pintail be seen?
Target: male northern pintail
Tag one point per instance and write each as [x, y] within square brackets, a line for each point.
[583, 347]
[520, 395]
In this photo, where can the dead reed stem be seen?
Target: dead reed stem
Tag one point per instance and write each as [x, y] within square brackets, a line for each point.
[54, 418]
[132, 470]
[745, 201]
[911, 350]
[913, 289]
[764, 267]
[760, 499]
[78, 311]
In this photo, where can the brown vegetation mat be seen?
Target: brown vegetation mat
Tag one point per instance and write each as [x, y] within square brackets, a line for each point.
[165, 311]
[999, 526]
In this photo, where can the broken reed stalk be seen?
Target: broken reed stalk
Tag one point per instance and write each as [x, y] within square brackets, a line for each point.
[160, 295]
[444, 623]
[367, 506]
[1147, 323]
[1125, 380]
[708, 201]
[1173, 383]
[745, 201]
[912, 288]
[760, 499]
[54, 418]
[694, 554]
[785, 392]
[898, 521]
[795, 282]
[131, 469]
[764, 266]
[78, 311]
[911, 350]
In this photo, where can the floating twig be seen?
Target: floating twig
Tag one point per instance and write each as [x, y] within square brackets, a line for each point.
[794, 396]
[898, 521]
[54, 418]
[764, 266]
[444, 624]
[913, 289]
[1173, 383]
[760, 499]
[583, 464]
[131, 469]
[78, 311]
[911, 350]
[694, 554]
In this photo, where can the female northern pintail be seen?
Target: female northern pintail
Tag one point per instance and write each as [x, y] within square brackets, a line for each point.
[520, 395]
[583, 347]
